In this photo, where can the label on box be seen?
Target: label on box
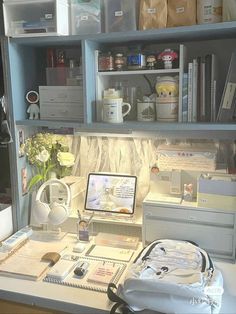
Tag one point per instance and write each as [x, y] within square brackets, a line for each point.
[48, 16]
[180, 10]
[151, 10]
[118, 13]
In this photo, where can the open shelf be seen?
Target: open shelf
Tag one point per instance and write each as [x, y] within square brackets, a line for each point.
[139, 129]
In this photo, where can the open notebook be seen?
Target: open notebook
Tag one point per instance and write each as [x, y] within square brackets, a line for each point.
[26, 261]
[97, 276]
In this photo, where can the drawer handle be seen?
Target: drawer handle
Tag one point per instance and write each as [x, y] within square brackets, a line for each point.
[192, 218]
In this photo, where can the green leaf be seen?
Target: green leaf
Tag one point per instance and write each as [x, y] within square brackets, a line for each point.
[36, 179]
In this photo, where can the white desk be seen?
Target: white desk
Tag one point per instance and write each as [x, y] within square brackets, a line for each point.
[82, 301]
[55, 296]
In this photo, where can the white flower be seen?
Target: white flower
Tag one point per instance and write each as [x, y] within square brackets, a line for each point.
[43, 156]
[66, 159]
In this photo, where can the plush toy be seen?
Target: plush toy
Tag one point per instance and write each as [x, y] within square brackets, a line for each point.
[33, 97]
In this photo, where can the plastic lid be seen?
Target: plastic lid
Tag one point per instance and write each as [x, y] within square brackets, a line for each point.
[111, 93]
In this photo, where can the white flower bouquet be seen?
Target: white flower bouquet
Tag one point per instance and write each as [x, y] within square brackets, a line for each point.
[48, 153]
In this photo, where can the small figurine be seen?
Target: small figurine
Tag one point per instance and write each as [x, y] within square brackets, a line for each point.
[188, 192]
[168, 56]
[33, 97]
[151, 62]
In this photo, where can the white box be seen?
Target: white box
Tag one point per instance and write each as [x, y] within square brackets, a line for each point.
[36, 18]
[61, 103]
[6, 225]
[217, 191]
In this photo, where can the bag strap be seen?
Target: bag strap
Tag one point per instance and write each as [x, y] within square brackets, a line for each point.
[120, 304]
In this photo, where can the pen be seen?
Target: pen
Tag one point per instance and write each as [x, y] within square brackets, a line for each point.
[90, 218]
[79, 216]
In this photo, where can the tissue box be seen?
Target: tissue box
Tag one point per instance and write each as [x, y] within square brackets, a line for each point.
[217, 191]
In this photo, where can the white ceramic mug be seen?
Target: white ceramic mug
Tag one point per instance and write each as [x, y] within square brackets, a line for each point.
[112, 110]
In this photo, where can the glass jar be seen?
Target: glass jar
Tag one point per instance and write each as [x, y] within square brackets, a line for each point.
[136, 60]
[105, 61]
[119, 62]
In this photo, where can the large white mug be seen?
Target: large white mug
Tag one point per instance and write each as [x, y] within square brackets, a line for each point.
[112, 110]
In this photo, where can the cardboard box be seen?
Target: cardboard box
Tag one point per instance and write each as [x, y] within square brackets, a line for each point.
[217, 191]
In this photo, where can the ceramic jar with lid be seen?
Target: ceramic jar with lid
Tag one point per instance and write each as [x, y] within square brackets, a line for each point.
[167, 89]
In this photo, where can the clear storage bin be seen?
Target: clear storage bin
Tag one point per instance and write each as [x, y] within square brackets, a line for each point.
[85, 17]
[64, 76]
[36, 18]
[120, 15]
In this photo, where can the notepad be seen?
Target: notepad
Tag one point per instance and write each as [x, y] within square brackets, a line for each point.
[103, 273]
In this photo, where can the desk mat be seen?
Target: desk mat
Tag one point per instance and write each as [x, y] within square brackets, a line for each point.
[97, 267]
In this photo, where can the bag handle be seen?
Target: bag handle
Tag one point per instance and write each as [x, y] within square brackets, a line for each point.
[120, 304]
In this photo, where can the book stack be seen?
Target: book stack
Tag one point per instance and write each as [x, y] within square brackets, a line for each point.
[200, 90]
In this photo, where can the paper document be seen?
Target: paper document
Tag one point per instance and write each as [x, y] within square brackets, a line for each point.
[109, 252]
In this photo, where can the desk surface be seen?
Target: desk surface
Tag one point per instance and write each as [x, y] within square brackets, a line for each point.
[55, 296]
[82, 301]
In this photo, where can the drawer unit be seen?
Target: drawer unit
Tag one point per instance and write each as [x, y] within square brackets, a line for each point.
[51, 94]
[61, 103]
[36, 18]
[60, 111]
[214, 231]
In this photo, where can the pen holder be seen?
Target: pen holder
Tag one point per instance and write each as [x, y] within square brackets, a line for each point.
[84, 229]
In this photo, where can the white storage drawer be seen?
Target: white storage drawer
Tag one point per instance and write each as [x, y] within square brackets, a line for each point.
[193, 215]
[36, 18]
[59, 111]
[213, 230]
[60, 94]
[217, 240]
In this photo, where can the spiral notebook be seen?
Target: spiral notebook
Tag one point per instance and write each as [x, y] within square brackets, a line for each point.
[98, 275]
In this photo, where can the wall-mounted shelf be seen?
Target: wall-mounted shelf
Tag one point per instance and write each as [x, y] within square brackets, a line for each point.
[134, 128]
[173, 34]
[139, 72]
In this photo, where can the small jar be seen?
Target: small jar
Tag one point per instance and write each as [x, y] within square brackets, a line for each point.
[119, 62]
[105, 62]
[136, 60]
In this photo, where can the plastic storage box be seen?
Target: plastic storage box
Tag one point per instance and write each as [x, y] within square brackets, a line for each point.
[85, 17]
[6, 226]
[36, 18]
[61, 103]
[120, 15]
